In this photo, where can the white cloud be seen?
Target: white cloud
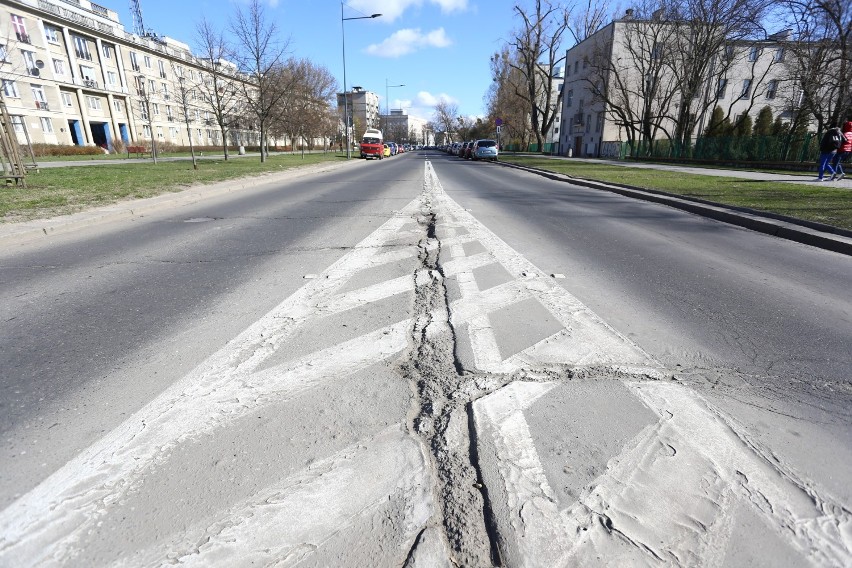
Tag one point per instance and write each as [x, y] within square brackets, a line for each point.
[407, 41]
[391, 10]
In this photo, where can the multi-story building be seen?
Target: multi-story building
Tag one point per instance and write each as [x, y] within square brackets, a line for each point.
[401, 127]
[620, 86]
[71, 74]
[363, 111]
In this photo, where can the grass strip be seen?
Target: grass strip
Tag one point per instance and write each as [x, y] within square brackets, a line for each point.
[64, 190]
[824, 203]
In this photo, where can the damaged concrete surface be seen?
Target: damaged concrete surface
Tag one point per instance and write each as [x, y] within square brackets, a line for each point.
[432, 398]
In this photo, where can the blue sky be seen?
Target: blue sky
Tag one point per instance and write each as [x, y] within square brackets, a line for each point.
[436, 48]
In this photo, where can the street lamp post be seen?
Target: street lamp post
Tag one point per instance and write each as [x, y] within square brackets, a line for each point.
[345, 94]
[387, 101]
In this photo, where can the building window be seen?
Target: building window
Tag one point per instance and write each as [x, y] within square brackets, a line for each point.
[720, 91]
[156, 109]
[599, 124]
[133, 61]
[116, 104]
[30, 62]
[20, 29]
[160, 132]
[169, 114]
[772, 89]
[588, 123]
[162, 68]
[51, 34]
[585, 62]
[4, 55]
[81, 48]
[18, 123]
[146, 131]
[746, 92]
[173, 132]
[152, 87]
[143, 112]
[105, 48]
[147, 62]
[569, 98]
[10, 89]
[753, 53]
[58, 67]
[38, 97]
[112, 78]
[66, 99]
[779, 54]
[729, 52]
[88, 75]
[93, 103]
[166, 95]
[576, 66]
[46, 125]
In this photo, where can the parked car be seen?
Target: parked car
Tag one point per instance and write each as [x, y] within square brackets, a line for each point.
[485, 150]
[463, 149]
[386, 151]
[468, 150]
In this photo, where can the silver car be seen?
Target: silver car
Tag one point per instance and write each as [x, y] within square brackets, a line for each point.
[484, 150]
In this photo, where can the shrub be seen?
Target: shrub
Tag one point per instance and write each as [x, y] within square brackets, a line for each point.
[42, 150]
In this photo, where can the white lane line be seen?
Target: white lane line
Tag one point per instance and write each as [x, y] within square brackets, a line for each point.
[588, 340]
[45, 522]
[370, 294]
[529, 524]
[293, 519]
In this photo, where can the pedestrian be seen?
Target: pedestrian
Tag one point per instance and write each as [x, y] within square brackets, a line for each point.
[831, 141]
[843, 152]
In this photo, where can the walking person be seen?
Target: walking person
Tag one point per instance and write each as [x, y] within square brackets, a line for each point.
[843, 152]
[831, 141]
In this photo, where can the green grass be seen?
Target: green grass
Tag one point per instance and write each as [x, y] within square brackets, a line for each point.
[823, 203]
[63, 190]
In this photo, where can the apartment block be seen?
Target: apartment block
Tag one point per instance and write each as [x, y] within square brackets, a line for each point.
[71, 74]
[620, 78]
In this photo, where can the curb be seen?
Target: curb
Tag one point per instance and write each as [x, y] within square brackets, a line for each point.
[818, 235]
[29, 231]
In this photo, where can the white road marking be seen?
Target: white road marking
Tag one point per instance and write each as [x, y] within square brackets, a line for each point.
[290, 520]
[670, 493]
[587, 340]
[533, 535]
[48, 521]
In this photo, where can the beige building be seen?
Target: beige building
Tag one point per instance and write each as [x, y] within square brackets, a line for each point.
[71, 74]
[620, 79]
[363, 112]
[401, 127]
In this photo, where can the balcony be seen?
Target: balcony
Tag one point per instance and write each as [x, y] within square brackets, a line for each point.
[42, 105]
[23, 37]
[90, 83]
[83, 55]
[135, 66]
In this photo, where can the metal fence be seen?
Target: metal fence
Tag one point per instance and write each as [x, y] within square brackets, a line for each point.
[801, 148]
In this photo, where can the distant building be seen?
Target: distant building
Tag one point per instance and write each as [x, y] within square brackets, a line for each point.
[401, 127]
[617, 80]
[363, 111]
[71, 74]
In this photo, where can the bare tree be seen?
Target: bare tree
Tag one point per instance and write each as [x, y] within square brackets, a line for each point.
[260, 53]
[186, 106]
[820, 58]
[704, 29]
[505, 104]
[145, 96]
[445, 118]
[310, 90]
[537, 46]
[218, 86]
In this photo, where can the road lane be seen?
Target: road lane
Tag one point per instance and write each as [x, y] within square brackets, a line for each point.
[427, 393]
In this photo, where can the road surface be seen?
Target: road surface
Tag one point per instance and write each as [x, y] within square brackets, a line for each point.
[423, 362]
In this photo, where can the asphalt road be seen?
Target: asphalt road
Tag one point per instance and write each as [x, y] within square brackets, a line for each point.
[391, 363]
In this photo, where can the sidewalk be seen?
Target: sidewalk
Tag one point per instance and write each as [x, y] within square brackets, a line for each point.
[742, 174]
